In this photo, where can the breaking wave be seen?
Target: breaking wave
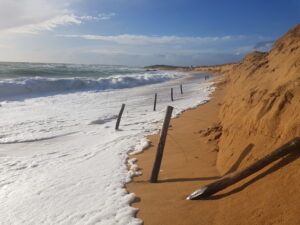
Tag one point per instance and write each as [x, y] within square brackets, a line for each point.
[38, 85]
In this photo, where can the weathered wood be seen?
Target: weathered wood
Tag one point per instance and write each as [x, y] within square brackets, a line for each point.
[120, 116]
[155, 99]
[161, 145]
[172, 99]
[233, 178]
[181, 91]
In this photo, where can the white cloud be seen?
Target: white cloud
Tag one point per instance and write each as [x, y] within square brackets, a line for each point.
[136, 58]
[33, 16]
[15, 13]
[108, 52]
[145, 40]
[244, 50]
[99, 17]
[264, 46]
[47, 25]
[143, 52]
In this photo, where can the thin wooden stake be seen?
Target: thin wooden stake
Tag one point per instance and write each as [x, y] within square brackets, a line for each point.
[172, 99]
[119, 117]
[161, 145]
[233, 178]
[181, 89]
[155, 99]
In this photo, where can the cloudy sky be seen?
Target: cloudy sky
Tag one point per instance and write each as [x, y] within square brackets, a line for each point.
[141, 32]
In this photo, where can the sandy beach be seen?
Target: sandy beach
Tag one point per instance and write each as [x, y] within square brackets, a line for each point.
[254, 111]
[189, 162]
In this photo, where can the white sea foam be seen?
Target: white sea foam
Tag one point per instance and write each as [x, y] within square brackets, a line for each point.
[66, 164]
[141, 146]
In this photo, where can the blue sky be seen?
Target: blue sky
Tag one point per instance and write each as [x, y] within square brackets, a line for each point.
[141, 32]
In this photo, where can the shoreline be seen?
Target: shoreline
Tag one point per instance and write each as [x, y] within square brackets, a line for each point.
[189, 161]
[86, 147]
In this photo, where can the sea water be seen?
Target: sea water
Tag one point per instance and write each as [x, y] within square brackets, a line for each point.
[61, 159]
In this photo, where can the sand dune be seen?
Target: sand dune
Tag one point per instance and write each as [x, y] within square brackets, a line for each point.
[259, 111]
[262, 107]
[262, 101]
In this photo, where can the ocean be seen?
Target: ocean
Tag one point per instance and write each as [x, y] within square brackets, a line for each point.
[62, 161]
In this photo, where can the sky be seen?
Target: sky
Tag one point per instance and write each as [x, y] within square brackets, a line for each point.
[141, 32]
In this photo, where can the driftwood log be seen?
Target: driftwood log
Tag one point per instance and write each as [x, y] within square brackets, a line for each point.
[233, 178]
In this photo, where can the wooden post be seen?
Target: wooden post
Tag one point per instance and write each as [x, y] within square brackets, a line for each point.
[172, 99]
[181, 91]
[233, 178]
[155, 98]
[161, 145]
[119, 117]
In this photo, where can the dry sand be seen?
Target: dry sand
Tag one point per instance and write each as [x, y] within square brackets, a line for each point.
[256, 110]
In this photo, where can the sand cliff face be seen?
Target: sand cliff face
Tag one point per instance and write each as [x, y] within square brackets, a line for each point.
[262, 102]
[260, 112]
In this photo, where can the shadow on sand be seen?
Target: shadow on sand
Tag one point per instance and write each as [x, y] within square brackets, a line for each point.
[283, 162]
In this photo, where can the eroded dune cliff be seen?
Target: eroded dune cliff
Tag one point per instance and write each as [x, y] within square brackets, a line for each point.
[262, 103]
[260, 112]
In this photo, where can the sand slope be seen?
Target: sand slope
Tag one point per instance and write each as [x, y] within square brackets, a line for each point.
[262, 108]
[262, 101]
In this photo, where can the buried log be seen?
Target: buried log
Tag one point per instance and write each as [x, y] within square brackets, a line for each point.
[233, 178]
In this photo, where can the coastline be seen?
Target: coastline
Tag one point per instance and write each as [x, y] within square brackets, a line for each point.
[189, 161]
[63, 150]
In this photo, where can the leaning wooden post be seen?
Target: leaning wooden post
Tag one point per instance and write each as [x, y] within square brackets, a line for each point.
[161, 145]
[155, 99]
[172, 99]
[181, 91]
[233, 178]
[119, 117]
